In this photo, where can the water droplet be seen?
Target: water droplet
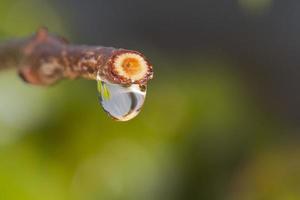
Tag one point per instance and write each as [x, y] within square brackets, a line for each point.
[122, 103]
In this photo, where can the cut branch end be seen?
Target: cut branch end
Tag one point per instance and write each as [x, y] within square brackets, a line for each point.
[44, 59]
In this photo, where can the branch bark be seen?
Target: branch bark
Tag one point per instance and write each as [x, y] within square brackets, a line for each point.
[44, 59]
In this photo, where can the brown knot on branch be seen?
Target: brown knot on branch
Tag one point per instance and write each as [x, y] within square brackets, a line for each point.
[44, 59]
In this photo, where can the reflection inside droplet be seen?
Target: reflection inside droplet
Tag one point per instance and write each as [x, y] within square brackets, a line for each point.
[120, 102]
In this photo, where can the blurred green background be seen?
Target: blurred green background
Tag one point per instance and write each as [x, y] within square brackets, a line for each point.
[220, 121]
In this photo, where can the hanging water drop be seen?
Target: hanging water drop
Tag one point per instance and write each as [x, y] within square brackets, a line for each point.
[122, 103]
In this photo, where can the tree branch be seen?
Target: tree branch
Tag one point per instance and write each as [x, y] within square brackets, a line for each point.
[44, 59]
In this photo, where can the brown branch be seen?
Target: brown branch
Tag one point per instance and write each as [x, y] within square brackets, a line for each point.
[44, 59]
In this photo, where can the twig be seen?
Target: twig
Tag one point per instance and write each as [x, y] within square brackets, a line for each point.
[44, 59]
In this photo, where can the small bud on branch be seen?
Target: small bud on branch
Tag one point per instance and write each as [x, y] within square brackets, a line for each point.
[44, 59]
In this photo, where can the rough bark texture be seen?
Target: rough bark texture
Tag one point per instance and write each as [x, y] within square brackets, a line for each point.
[44, 59]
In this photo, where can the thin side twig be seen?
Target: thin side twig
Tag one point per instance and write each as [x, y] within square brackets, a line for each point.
[44, 59]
